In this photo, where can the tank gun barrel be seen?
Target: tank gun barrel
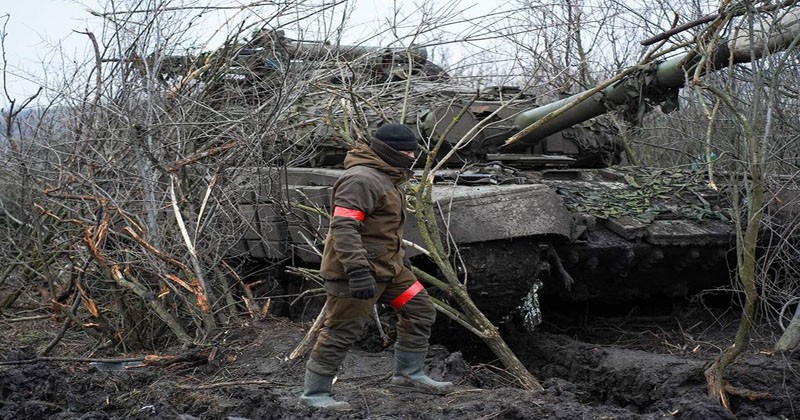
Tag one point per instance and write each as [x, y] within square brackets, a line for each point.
[382, 62]
[656, 81]
[321, 50]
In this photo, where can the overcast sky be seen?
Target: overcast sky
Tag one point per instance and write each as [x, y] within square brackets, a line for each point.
[40, 34]
[34, 30]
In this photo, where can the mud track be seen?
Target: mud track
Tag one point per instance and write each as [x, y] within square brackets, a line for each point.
[247, 376]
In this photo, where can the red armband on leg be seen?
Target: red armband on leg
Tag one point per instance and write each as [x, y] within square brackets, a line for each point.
[407, 295]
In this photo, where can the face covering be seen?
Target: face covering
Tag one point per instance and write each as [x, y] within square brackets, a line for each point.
[391, 156]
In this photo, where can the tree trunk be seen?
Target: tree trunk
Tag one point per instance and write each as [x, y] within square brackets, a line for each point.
[746, 244]
[473, 316]
[790, 337]
[495, 342]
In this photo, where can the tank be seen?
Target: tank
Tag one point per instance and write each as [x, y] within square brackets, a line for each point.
[532, 212]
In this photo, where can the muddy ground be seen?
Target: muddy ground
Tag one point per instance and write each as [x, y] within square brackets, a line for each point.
[633, 366]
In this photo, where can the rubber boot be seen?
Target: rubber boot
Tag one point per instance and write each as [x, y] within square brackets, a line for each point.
[409, 376]
[317, 393]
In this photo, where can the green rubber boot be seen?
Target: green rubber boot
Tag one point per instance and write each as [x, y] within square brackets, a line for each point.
[409, 376]
[317, 393]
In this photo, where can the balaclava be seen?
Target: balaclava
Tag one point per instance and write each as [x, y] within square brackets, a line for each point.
[390, 138]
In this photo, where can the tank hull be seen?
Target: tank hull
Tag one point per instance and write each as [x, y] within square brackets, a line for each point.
[568, 234]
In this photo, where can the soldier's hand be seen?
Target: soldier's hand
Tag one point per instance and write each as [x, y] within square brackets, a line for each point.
[362, 284]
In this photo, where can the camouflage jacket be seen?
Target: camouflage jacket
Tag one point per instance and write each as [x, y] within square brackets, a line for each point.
[367, 218]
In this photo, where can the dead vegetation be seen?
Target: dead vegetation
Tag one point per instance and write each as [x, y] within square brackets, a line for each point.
[119, 195]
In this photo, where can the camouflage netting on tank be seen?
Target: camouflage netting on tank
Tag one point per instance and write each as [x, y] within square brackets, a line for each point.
[646, 195]
[642, 91]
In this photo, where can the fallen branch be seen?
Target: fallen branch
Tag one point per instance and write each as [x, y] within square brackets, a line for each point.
[27, 318]
[384, 337]
[308, 339]
[69, 359]
[248, 298]
[52, 344]
[195, 356]
[746, 393]
[234, 383]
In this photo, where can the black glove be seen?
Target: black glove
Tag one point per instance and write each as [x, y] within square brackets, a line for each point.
[362, 284]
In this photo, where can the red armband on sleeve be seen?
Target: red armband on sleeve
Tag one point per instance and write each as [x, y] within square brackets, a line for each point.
[350, 213]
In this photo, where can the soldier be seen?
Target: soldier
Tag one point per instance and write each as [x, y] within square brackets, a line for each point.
[362, 264]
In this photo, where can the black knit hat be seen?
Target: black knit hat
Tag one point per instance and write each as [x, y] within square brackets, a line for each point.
[397, 136]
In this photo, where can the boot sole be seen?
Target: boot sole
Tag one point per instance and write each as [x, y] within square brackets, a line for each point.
[331, 408]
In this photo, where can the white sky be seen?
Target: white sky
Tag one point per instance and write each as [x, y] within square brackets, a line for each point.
[40, 34]
[41, 43]
[34, 30]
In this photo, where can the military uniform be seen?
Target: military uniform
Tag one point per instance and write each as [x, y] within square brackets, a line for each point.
[367, 233]
[362, 263]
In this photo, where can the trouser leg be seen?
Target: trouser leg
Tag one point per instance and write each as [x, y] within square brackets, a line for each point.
[344, 321]
[415, 312]
[416, 315]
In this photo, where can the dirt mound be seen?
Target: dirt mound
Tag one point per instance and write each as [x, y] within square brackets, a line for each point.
[248, 376]
[646, 382]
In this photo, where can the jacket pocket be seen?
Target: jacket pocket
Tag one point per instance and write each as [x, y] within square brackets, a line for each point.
[375, 251]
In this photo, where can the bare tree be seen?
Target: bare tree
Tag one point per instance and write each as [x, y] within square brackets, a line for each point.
[132, 201]
[136, 174]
